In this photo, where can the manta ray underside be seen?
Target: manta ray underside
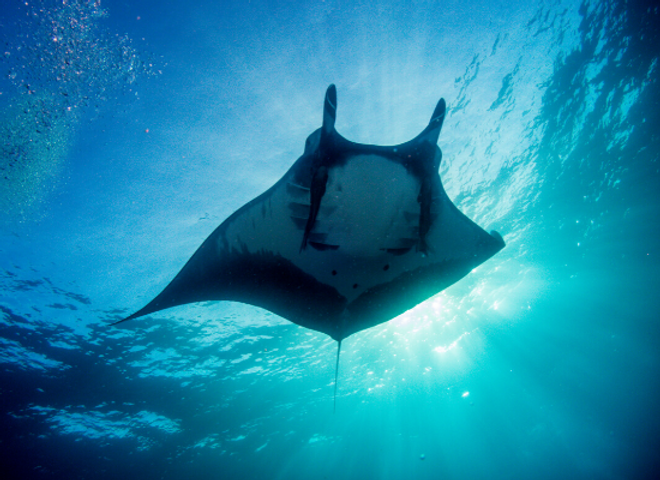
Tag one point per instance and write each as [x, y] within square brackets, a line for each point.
[350, 237]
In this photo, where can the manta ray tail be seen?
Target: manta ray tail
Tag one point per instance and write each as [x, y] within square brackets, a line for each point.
[334, 404]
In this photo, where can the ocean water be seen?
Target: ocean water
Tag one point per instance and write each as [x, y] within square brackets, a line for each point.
[131, 129]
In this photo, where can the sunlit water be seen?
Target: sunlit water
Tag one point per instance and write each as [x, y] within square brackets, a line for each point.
[130, 130]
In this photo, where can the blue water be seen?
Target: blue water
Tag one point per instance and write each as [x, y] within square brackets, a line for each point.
[131, 129]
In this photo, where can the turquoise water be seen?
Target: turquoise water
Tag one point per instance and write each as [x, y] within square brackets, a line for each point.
[130, 130]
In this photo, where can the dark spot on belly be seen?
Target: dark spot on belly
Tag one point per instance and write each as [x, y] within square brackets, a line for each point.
[386, 268]
[355, 285]
[334, 272]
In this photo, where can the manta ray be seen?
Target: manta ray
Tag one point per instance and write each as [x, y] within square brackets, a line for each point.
[351, 236]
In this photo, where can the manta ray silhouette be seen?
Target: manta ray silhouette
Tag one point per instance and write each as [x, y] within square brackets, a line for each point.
[350, 237]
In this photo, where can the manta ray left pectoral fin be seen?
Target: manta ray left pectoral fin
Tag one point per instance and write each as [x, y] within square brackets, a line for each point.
[159, 303]
[131, 317]
[144, 311]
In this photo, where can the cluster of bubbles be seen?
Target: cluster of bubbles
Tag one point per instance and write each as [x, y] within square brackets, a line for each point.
[61, 63]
